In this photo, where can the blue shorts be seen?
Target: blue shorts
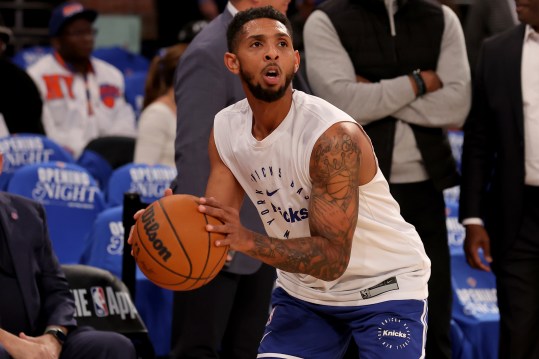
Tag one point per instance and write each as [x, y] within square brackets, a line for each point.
[301, 330]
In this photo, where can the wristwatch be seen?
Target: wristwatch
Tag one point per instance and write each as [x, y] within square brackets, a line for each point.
[58, 334]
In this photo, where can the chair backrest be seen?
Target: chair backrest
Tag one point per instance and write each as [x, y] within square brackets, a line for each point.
[134, 90]
[71, 198]
[150, 181]
[475, 292]
[30, 55]
[23, 149]
[105, 249]
[124, 60]
[103, 302]
[105, 243]
[104, 154]
[475, 308]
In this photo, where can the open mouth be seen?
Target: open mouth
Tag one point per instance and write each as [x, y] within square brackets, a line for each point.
[272, 75]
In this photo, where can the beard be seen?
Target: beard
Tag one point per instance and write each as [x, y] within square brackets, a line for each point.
[262, 94]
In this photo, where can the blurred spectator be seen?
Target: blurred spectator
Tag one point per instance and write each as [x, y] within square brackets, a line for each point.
[484, 19]
[157, 122]
[83, 96]
[304, 9]
[225, 318]
[175, 15]
[372, 59]
[208, 9]
[20, 102]
[189, 30]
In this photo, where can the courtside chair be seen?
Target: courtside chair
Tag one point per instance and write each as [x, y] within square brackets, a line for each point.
[475, 309]
[23, 149]
[124, 60]
[103, 155]
[30, 55]
[149, 181]
[71, 198]
[104, 303]
[134, 90]
[105, 249]
[104, 246]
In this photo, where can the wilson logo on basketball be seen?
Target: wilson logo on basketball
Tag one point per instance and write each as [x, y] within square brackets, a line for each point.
[151, 227]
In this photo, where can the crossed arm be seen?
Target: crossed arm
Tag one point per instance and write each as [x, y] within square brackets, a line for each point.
[332, 218]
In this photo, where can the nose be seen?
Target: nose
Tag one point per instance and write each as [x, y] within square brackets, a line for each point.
[272, 54]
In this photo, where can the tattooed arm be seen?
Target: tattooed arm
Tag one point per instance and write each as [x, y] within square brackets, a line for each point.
[335, 172]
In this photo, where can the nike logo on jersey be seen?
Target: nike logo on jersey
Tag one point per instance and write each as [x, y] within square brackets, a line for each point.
[272, 192]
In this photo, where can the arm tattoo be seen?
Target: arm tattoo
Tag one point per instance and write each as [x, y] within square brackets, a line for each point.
[334, 170]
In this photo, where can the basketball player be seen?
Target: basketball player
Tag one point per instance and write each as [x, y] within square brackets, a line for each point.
[349, 266]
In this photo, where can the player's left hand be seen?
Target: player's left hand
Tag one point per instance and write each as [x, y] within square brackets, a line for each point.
[237, 236]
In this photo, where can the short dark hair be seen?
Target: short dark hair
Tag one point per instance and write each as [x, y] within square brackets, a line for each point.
[236, 26]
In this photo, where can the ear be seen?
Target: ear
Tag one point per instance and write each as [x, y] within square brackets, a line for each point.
[297, 60]
[232, 63]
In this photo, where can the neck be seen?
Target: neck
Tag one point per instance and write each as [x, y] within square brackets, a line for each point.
[78, 65]
[267, 116]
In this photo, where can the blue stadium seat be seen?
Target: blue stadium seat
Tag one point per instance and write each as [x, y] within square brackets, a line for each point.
[126, 61]
[71, 198]
[104, 249]
[24, 149]
[134, 90]
[104, 154]
[29, 56]
[148, 181]
[105, 244]
[475, 309]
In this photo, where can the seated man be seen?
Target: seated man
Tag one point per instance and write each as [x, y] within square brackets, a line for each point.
[36, 307]
[83, 97]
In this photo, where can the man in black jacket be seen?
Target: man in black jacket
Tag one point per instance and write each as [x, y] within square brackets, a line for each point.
[499, 204]
[36, 307]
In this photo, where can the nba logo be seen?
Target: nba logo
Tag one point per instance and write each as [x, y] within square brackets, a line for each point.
[100, 304]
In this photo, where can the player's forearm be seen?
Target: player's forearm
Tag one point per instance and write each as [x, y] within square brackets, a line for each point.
[315, 256]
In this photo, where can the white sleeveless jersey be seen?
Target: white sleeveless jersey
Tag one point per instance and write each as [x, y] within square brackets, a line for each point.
[388, 261]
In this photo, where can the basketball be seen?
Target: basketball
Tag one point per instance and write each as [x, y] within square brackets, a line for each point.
[172, 247]
[339, 185]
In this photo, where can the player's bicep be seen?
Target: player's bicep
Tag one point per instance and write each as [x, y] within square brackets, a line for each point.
[334, 169]
[222, 184]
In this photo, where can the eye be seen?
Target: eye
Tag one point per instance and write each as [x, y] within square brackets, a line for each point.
[256, 44]
[283, 43]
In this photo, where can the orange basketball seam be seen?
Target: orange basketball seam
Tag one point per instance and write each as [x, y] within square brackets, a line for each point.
[154, 258]
[177, 238]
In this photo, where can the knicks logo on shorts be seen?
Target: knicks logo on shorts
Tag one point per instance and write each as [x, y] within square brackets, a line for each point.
[394, 334]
